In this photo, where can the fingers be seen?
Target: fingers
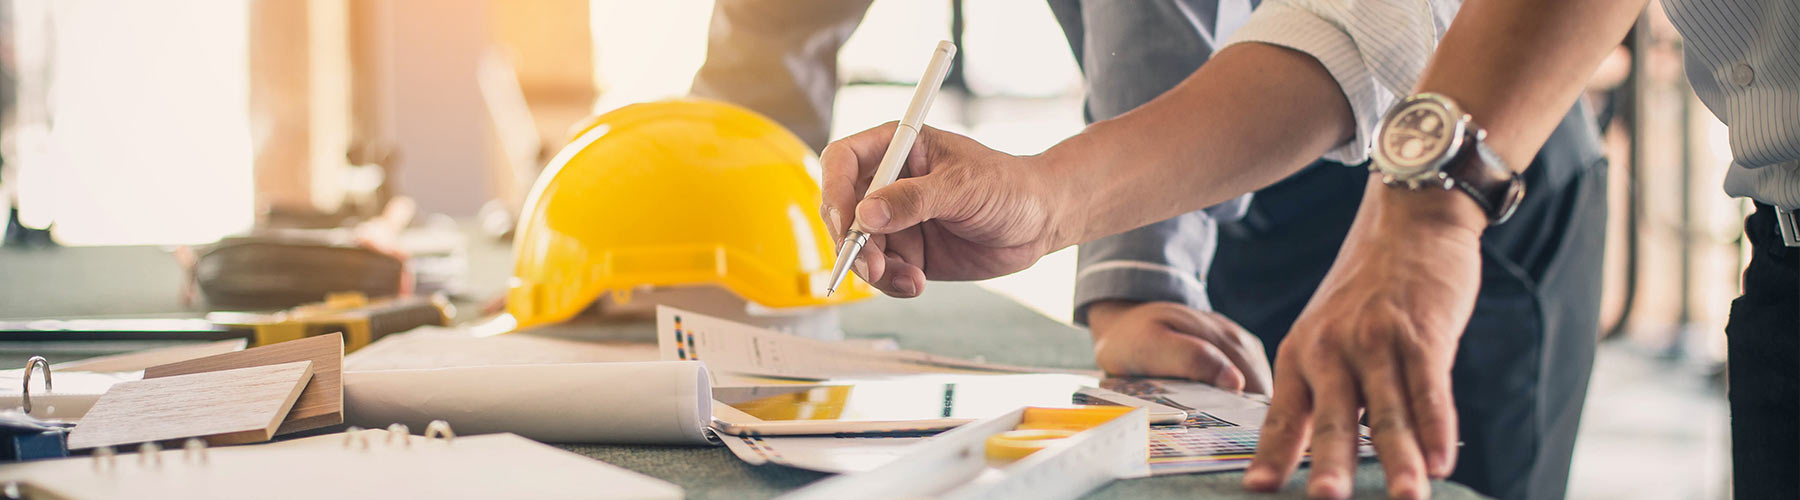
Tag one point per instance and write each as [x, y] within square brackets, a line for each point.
[1433, 410]
[1258, 377]
[1335, 429]
[844, 165]
[1285, 432]
[903, 204]
[1200, 360]
[1242, 350]
[885, 264]
[1245, 351]
[838, 175]
[900, 279]
[871, 262]
[1134, 339]
[902, 273]
[1390, 424]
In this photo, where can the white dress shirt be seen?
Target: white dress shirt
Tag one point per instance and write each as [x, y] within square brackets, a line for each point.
[1743, 59]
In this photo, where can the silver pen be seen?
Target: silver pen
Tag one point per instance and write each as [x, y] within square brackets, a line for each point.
[895, 158]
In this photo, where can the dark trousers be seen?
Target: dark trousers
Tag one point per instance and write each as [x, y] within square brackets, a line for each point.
[1763, 342]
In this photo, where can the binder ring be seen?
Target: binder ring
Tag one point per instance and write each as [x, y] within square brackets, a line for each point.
[354, 435]
[150, 453]
[401, 431]
[440, 429]
[25, 392]
[193, 448]
[104, 455]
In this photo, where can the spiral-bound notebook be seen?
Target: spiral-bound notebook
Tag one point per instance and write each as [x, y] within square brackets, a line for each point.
[362, 464]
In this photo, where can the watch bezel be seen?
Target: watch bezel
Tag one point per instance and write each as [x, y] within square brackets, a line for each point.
[1429, 172]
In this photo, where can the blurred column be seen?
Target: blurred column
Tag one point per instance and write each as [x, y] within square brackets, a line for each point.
[538, 84]
[441, 140]
[370, 46]
[299, 91]
[551, 49]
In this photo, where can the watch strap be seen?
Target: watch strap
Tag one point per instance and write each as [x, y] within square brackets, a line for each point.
[1480, 173]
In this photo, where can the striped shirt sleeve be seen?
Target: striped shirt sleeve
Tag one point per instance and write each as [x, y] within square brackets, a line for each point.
[1375, 49]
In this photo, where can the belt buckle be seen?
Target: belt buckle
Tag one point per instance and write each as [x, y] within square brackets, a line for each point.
[1790, 231]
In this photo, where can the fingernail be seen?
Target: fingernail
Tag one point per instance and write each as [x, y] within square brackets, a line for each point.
[834, 220]
[905, 285]
[862, 268]
[1258, 479]
[1225, 381]
[1407, 487]
[1440, 462]
[1327, 487]
[874, 213]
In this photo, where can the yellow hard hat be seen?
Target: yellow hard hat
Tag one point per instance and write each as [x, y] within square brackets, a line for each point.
[674, 193]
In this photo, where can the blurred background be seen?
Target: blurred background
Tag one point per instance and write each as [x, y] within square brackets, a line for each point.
[181, 122]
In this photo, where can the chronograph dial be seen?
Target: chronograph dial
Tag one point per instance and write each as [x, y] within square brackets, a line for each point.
[1427, 141]
[1418, 137]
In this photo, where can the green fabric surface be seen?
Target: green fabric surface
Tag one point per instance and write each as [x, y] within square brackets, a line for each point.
[955, 319]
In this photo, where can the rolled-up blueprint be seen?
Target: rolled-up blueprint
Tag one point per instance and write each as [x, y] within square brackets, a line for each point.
[658, 402]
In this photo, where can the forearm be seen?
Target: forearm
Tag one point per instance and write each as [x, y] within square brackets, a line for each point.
[1251, 116]
[1513, 64]
[1517, 65]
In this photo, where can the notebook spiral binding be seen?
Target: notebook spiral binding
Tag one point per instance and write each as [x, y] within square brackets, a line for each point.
[193, 451]
[25, 392]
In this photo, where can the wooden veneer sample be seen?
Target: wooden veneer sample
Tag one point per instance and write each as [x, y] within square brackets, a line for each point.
[321, 404]
[222, 407]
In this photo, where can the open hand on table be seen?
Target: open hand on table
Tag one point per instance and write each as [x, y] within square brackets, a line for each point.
[1379, 335]
[1170, 340]
[960, 211]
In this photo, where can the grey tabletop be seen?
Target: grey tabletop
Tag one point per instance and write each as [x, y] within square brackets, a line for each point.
[953, 319]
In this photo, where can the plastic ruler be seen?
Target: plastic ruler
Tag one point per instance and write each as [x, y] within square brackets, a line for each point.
[954, 465]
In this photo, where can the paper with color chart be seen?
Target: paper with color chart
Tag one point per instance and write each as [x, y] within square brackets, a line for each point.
[728, 346]
[1220, 434]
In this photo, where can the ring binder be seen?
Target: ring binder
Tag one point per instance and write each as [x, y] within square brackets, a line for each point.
[150, 453]
[104, 455]
[25, 392]
[193, 447]
[400, 430]
[355, 434]
[441, 430]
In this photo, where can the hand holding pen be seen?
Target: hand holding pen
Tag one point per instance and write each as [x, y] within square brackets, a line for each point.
[962, 212]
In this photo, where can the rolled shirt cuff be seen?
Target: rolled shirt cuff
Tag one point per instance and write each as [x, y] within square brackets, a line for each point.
[1137, 281]
[1303, 30]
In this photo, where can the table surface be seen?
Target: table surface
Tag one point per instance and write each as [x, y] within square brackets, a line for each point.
[954, 319]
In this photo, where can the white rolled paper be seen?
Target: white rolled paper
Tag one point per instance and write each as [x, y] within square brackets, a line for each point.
[657, 402]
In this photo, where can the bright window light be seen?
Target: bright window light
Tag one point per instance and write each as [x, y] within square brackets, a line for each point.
[149, 136]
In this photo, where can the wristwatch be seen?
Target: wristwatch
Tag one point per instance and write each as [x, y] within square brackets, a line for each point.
[1427, 141]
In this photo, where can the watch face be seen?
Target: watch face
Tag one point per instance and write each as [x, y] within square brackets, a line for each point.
[1416, 137]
